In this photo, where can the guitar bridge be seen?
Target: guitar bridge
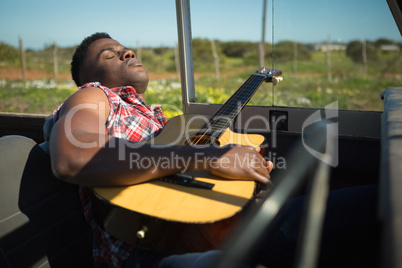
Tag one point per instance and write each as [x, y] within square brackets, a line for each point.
[188, 181]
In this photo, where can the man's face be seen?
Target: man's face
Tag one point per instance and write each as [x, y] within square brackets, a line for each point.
[113, 65]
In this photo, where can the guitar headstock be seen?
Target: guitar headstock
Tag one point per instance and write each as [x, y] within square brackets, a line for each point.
[269, 73]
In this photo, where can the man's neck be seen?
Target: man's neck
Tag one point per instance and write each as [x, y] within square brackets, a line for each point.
[142, 97]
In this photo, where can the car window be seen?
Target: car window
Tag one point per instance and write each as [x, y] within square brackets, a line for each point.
[329, 51]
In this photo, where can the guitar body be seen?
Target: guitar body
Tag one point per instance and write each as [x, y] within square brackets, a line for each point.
[173, 218]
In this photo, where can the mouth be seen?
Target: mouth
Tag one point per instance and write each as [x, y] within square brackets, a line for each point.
[134, 62]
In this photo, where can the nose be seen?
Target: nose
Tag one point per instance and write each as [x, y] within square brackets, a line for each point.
[128, 54]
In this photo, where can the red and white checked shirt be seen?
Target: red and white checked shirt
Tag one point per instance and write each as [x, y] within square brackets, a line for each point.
[130, 119]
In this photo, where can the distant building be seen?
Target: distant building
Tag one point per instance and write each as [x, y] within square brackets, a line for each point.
[328, 47]
[389, 48]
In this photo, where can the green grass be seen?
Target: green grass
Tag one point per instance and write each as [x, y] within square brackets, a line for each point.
[40, 96]
[309, 86]
[43, 96]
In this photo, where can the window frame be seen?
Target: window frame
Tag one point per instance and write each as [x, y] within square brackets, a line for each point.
[351, 122]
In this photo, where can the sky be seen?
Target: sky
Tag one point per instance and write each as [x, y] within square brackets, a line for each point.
[40, 23]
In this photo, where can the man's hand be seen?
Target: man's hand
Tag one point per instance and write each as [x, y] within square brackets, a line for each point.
[242, 163]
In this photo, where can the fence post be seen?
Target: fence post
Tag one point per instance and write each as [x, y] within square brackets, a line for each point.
[216, 59]
[138, 54]
[55, 61]
[295, 55]
[177, 60]
[22, 55]
[364, 57]
[329, 65]
[262, 43]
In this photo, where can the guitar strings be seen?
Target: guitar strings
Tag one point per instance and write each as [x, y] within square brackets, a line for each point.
[248, 82]
[251, 80]
[221, 111]
[246, 95]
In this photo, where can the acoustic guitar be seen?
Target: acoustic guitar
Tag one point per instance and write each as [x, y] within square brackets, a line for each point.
[188, 212]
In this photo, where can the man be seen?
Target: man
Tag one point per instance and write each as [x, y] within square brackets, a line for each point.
[107, 114]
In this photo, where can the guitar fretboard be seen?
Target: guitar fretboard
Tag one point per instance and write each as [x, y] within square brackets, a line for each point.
[225, 116]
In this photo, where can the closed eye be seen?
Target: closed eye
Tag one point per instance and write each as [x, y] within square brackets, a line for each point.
[109, 55]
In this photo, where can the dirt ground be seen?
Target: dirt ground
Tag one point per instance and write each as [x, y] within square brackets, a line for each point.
[16, 73]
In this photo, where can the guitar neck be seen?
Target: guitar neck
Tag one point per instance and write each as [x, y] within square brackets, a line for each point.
[225, 116]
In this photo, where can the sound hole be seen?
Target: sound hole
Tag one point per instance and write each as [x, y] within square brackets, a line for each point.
[203, 140]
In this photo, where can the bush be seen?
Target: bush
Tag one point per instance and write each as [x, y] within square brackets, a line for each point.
[238, 49]
[354, 51]
[284, 51]
[8, 54]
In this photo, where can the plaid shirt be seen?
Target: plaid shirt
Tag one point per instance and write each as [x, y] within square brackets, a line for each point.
[131, 119]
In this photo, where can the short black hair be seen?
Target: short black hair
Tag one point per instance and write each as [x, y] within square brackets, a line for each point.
[81, 54]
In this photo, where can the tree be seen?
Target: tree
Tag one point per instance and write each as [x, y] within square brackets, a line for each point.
[203, 56]
[8, 53]
[383, 41]
[284, 51]
[354, 50]
[202, 50]
[238, 49]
